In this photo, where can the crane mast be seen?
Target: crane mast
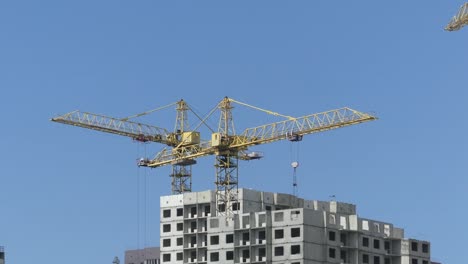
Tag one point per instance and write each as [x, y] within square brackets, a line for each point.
[226, 162]
[181, 172]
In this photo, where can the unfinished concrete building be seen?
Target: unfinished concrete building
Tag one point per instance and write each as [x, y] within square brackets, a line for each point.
[279, 228]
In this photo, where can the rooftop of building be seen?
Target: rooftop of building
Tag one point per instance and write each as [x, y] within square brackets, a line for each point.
[254, 201]
[280, 200]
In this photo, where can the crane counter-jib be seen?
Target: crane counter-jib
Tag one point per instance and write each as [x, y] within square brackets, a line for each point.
[180, 154]
[172, 159]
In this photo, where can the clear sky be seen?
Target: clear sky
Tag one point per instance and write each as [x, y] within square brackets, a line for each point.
[74, 195]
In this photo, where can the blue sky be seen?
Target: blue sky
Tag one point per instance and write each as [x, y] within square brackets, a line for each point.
[72, 194]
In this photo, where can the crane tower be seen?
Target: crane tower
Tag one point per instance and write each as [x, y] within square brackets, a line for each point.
[184, 145]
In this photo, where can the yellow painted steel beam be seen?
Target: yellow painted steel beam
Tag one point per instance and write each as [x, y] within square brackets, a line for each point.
[314, 123]
[148, 112]
[459, 20]
[261, 109]
[300, 126]
[137, 131]
[179, 155]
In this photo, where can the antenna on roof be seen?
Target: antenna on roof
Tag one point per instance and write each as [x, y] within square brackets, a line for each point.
[294, 164]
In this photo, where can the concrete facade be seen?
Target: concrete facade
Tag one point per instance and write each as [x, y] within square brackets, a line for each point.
[279, 229]
[142, 256]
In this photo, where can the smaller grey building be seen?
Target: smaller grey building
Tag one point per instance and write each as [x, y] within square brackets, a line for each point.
[2, 255]
[141, 256]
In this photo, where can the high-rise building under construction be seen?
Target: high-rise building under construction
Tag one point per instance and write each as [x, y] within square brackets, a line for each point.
[279, 228]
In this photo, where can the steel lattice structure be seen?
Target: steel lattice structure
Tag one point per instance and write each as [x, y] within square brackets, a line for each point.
[459, 20]
[184, 146]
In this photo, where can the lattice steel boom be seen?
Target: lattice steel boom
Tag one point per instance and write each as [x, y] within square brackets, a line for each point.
[459, 20]
[288, 129]
[137, 131]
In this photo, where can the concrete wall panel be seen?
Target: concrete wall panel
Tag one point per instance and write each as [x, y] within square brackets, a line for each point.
[309, 204]
[268, 198]
[171, 200]
[190, 198]
[206, 197]
[353, 222]
[315, 218]
[250, 195]
[315, 235]
[314, 252]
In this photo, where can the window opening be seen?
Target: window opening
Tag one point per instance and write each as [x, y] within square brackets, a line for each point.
[279, 233]
[295, 249]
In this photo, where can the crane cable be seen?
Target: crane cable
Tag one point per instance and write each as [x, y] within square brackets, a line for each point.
[263, 110]
[138, 198]
[147, 112]
[145, 207]
[294, 159]
[142, 205]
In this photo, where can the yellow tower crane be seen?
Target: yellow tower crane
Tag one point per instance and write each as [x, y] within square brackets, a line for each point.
[228, 147]
[459, 20]
[181, 172]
